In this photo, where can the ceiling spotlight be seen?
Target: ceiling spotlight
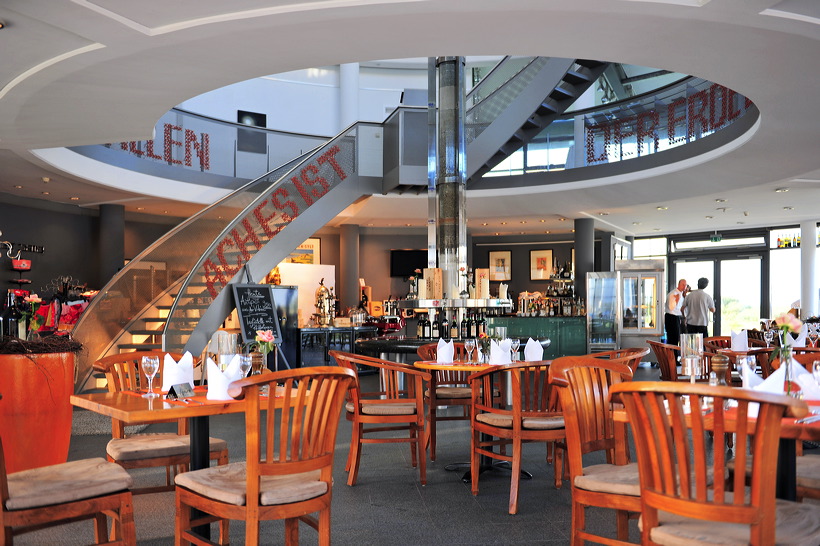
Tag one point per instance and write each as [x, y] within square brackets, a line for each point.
[788, 208]
[46, 179]
[573, 231]
[522, 233]
[781, 190]
[484, 224]
[562, 219]
[140, 208]
[497, 233]
[2, 25]
[18, 187]
[741, 223]
[662, 208]
[603, 214]
[407, 225]
[547, 231]
[542, 220]
[719, 200]
[503, 223]
[165, 212]
[74, 198]
[636, 223]
[708, 217]
[523, 221]
[656, 229]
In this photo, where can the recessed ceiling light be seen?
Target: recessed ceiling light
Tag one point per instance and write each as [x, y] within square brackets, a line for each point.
[522, 233]
[74, 198]
[636, 223]
[46, 179]
[741, 223]
[708, 217]
[496, 233]
[573, 231]
[656, 229]
[562, 219]
[781, 190]
[547, 231]
[503, 223]
[542, 220]
[788, 208]
[719, 200]
[603, 214]
[408, 225]
[140, 208]
[523, 221]
[165, 212]
[46, 193]
[484, 223]
[18, 187]
[662, 208]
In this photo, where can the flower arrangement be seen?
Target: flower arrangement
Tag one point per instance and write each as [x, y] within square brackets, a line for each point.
[413, 280]
[786, 324]
[265, 341]
[35, 320]
[485, 341]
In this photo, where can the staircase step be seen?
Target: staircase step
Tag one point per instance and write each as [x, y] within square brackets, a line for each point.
[139, 346]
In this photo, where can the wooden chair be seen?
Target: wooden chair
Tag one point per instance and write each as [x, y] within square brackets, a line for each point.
[667, 359]
[391, 408]
[446, 388]
[534, 415]
[64, 493]
[290, 440]
[168, 449]
[631, 356]
[584, 384]
[715, 343]
[680, 499]
[804, 355]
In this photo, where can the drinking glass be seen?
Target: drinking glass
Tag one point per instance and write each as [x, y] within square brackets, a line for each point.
[514, 345]
[150, 367]
[815, 370]
[469, 346]
[813, 333]
[227, 347]
[768, 337]
[245, 362]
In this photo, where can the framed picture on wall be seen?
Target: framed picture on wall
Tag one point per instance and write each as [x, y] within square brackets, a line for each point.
[540, 265]
[308, 252]
[500, 267]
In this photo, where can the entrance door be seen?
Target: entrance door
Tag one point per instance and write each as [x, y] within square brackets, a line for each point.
[734, 284]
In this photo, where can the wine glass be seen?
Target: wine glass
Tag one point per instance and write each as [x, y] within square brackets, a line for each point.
[150, 367]
[515, 343]
[813, 333]
[245, 362]
[768, 337]
[469, 346]
[815, 371]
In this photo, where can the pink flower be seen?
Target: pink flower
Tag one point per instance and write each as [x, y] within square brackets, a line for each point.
[789, 323]
[264, 336]
[34, 298]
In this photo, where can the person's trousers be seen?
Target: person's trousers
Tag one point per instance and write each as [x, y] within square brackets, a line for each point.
[695, 329]
[672, 323]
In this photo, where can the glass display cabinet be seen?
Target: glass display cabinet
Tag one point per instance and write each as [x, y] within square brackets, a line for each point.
[625, 307]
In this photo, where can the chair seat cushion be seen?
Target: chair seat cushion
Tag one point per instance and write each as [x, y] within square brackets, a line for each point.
[149, 446]
[533, 423]
[65, 482]
[400, 408]
[797, 523]
[451, 392]
[226, 483]
[610, 478]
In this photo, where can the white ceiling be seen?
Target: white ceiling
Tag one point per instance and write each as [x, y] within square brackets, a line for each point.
[86, 72]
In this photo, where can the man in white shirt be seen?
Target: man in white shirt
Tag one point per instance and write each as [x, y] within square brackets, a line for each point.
[696, 308]
[673, 317]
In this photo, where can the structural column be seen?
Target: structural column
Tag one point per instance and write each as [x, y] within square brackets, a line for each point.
[112, 241]
[349, 293]
[808, 266]
[348, 94]
[584, 253]
[451, 179]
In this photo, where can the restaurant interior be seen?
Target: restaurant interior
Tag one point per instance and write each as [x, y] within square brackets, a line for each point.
[170, 171]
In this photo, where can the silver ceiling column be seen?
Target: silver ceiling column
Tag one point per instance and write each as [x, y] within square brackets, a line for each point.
[451, 179]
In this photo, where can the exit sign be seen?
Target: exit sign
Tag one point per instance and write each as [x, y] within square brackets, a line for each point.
[715, 238]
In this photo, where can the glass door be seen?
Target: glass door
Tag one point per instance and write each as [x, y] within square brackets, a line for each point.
[740, 282]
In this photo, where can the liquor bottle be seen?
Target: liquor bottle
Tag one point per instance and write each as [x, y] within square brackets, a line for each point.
[427, 333]
[444, 326]
[481, 327]
[11, 318]
[464, 330]
[471, 326]
[435, 330]
[454, 326]
[420, 327]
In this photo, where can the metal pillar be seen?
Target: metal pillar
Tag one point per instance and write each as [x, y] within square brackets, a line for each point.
[808, 265]
[112, 241]
[584, 253]
[451, 179]
[350, 292]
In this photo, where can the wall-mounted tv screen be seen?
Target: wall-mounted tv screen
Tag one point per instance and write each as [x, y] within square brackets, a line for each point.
[403, 263]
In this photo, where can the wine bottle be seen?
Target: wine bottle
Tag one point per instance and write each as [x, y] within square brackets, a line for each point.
[464, 330]
[444, 326]
[11, 318]
[428, 328]
[435, 329]
[454, 331]
[420, 327]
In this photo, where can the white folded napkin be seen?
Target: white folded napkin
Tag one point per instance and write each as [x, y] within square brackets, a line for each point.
[444, 352]
[218, 380]
[500, 352]
[502, 291]
[740, 341]
[774, 384]
[801, 338]
[174, 373]
[749, 377]
[533, 351]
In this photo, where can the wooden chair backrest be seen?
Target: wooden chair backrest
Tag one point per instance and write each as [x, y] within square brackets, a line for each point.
[390, 379]
[805, 358]
[446, 377]
[679, 470]
[532, 394]
[123, 373]
[631, 356]
[717, 342]
[666, 356]
[583, 387]
[297, 431]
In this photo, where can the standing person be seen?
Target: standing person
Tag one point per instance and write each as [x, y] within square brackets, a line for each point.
[673, 318]
[696, 308]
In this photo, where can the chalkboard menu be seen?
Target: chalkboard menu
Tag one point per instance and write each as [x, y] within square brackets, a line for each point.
[256, 310]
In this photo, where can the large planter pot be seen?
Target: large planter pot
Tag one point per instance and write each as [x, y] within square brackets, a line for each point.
[35, 412]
